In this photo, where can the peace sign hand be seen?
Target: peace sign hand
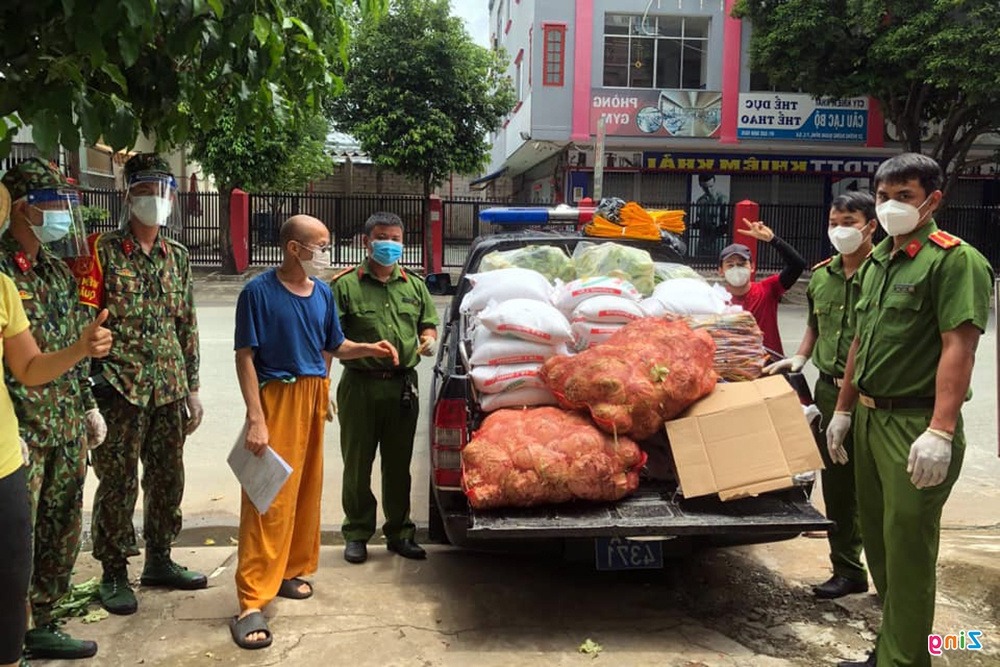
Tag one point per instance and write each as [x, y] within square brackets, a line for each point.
[757, 230]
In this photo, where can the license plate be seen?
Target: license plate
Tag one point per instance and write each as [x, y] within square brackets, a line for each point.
[618, 553]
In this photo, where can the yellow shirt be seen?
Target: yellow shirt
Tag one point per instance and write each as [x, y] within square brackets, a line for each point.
[12, 322]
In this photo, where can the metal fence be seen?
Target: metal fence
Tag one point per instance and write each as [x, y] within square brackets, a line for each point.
[199, 221]
[345, 218]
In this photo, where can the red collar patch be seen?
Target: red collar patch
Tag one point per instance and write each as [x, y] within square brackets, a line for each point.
[128, 245]
[22, 261]
[912, 248]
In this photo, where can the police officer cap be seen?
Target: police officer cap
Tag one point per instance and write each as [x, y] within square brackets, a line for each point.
[146, 163]
[735, 249]
[33, 174]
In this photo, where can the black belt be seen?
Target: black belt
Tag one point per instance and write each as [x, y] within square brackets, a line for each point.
[380, 374]
[897, 403]
[830, 379]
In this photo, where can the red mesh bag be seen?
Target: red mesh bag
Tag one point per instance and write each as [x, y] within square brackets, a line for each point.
[537, 456]
[648, 372]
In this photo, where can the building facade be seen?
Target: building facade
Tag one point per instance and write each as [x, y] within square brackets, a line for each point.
[685, 120]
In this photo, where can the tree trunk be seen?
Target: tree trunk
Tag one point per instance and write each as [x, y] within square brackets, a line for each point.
[428, 239]
[228, 260]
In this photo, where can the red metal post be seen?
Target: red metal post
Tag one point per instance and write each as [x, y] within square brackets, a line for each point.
[437, 236]
[239, 228]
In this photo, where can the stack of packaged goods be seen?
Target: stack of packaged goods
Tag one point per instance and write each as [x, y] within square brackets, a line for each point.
[522, 458]
[740, 355]
[597, 307]
[515, 329]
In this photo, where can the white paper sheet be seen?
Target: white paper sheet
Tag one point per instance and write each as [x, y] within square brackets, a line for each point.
[260, 476]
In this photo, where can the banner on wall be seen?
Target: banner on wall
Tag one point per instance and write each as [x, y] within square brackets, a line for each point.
[749, 163]
[802, 117]
[656, 113]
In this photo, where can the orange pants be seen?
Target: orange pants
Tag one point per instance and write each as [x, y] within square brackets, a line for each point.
[284, 542]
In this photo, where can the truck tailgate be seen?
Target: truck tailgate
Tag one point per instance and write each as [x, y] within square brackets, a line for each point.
[653, 511]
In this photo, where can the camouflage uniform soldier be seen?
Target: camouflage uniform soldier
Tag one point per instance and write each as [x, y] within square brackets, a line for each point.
[55, 419]
[147, 387]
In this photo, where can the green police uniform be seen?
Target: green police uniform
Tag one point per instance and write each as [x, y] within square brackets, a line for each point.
[373, 415]
[832, 297]
[932, 285]
[152, 367]
[51, 420]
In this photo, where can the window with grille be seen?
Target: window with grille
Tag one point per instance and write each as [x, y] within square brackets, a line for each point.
[664, 52]
[554, 39]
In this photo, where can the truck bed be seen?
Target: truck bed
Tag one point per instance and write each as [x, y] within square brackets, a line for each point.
[654, 510]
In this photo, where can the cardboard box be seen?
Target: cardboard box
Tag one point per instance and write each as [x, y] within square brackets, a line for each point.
[743, 439]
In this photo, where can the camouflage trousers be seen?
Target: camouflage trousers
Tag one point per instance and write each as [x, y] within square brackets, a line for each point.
[55, 484]
[154, 436]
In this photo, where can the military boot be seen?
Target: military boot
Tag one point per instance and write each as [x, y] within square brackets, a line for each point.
[116, 592]
[161, 570]
[48, 641]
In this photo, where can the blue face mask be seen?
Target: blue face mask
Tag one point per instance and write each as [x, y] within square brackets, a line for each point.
[387, 253]
[55, 225]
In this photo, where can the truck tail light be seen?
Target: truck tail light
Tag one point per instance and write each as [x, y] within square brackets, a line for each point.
[450, 436]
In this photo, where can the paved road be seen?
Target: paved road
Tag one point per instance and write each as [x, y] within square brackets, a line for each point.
[212, 495]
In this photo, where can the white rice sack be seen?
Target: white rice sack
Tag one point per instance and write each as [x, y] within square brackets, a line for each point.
[504, 284]
[687, 296]
[608, 309]
[588, 334]
[489, 349]
[498, 379]
[653, 307]
[516, 398]
[527, 319]
[567, 297]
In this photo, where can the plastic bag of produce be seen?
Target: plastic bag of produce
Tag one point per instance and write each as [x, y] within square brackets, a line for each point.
[663, 271]
[687, 296]
[504, 284]
[739, 344]
[589, 334]
[522, 458]
[516, 398]
[527, 319]
[618, 261]
[550, 261]
[498, 379]
[607, 309]
[648, 372]
[490, 349]
[567, 297]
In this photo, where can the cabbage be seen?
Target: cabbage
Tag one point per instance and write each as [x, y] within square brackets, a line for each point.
[618, 261]
[547, 260]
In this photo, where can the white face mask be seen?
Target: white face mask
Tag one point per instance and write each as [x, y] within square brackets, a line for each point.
[151, 211]
[316, 264]
[737, 276]
[897, 218]
[846, 239]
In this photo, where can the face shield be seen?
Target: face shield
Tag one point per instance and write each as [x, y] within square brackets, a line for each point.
[151, 200]
[57, 220]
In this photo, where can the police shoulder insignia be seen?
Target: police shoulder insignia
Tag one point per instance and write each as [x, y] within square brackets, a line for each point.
[823, 263]
[944, 240]
[340, 274]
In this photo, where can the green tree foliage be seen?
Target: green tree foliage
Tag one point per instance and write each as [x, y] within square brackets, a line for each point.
[931, 64]
[112, 68]
[420, 96]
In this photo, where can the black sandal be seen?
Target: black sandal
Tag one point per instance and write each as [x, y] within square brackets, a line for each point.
[290, 589]
[248, 625]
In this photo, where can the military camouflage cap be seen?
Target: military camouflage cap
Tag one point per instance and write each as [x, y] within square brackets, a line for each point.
[142, 163]
[33, 174]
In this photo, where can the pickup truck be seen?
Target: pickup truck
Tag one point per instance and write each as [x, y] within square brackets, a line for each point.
[626, 534]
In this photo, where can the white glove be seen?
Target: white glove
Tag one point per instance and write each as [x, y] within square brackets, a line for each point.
[930, 455]
[25, 454]
[836, 433]
[97, 429]
[428, 346]
[792, 365]
[195, 413]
